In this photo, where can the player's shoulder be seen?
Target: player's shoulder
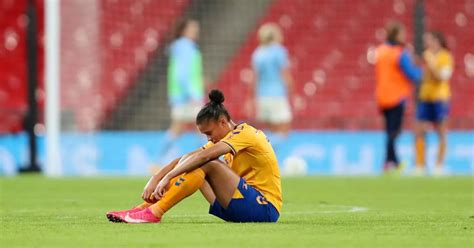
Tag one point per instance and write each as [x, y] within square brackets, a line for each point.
[279, 48]
[183, 44]
[260, 53]
[386, 50]
[207, 145]
[256, 52]
[244, 126]
[242, 130]
[444, 52]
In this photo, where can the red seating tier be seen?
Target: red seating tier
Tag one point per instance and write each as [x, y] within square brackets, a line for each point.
[328, 43]
[104, 45]
[13, 80]
[127, 32]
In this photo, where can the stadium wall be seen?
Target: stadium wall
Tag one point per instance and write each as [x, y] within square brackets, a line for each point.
[304, 152]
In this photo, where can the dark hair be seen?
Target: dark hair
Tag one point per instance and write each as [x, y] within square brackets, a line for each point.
[214, 109]
[439, 36]
[392, 29]
[180, 27]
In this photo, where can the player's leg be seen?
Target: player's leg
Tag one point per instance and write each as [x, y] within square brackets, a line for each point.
[441, 112]
[184, 186]
[226, 186]
[281, 115]
[236, 201]
[282, 128]
[397, 127]
[441, 130]
[393, 123]
[265, 113]
[389, 115]
[420, 134]
[279, 121]
[118, 216]
[424, 117]
[174, 131]
[207, 192]
[221, 178]
[387, 120]
[182, 118]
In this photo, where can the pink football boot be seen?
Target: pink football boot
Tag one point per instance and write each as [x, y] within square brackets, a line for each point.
[117, 216]
[144, 216]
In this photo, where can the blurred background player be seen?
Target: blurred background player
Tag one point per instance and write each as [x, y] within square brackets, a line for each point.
[395, 73]
[434, 94]
[273, 82]
[185, 82]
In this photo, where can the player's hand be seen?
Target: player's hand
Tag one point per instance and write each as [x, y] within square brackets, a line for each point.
[410, 48]
[161, 188]
[419, 60]
[147, 194]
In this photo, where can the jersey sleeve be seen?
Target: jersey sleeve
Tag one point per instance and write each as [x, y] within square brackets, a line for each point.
[207, 145]
[238, 140]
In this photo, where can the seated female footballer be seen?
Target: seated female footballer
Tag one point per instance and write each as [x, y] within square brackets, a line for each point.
[244, 187]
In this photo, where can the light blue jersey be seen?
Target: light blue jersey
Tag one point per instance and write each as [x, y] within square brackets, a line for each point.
[185, 79]
[268, 62]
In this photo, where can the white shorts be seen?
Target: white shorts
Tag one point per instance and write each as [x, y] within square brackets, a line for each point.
[274, 110]
[185, 112]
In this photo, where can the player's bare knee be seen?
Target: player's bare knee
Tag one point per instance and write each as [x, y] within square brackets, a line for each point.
[210, 166]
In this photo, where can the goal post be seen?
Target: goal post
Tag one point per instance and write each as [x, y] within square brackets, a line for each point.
[52, 85]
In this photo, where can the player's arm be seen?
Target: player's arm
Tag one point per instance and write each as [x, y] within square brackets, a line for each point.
[409, 68]
[443, 74]
[284, 62]
[288, 78]
[192, 162]
[156, 178]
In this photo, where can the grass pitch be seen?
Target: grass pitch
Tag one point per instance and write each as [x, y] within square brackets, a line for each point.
[317, 212]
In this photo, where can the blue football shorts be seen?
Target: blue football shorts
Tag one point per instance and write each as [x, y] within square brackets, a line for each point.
[253, 207]
[432, 111]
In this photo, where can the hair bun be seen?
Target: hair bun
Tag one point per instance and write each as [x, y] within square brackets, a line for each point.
[216, 96]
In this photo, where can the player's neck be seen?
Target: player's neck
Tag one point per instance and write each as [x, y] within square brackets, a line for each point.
[232, 125]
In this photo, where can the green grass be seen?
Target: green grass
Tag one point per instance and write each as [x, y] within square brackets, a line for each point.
[400, 212]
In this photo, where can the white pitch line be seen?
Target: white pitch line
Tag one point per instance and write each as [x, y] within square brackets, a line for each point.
[352, 209]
